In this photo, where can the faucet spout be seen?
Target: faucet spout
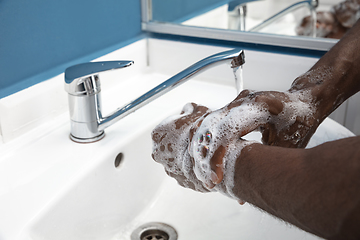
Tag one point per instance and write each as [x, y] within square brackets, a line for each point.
[235, 57]
[94, 130]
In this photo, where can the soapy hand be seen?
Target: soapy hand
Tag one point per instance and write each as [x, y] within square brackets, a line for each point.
[171, 142]
[285, 119]
[199, 147]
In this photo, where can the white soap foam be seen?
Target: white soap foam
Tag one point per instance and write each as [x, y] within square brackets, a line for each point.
[171, 151]
[222, 128]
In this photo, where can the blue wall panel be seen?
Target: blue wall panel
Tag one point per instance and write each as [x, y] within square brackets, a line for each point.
[178, 11]
[40, 38]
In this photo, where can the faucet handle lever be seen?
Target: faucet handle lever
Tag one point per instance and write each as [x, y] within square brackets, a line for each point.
[83, 79]
[92, 68]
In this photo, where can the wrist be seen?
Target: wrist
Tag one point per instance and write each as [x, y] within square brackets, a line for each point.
[320, 86]
[334, 78]
[244, 172]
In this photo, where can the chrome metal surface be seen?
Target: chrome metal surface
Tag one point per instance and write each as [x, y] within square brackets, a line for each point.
[237, 17]
[153, 231]
[82, 84]
[233, 56]
[79, 78]
[87, 122]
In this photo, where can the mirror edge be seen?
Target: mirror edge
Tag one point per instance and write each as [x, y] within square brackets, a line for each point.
[320, 44]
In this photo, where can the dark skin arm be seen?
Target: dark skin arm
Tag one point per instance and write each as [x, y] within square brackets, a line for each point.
[332, 80]
[335, 77]
[313, 189]
[316, 189]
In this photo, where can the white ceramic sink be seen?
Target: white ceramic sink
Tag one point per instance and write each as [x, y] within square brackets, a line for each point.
[52, 188]
[108, 202]
[104, 200]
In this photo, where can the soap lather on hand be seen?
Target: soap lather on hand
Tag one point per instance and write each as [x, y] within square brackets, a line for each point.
[316, 189]
[199, 147]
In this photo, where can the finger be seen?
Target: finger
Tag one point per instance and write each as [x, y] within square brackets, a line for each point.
[191, 115]
[245, 94]
[216, 164]
[273, 104]
[208, 185]
[192, 107]
[252, 125]
[158, 135]
[196, 125]
[265, 132]
[269, 134]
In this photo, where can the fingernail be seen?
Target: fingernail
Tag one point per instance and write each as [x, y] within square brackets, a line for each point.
[214, 178]
[209, 186]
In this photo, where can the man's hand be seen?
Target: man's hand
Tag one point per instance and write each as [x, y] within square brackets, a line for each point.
[285, 119]
[204, 150]
[197, 146]
[171, 142]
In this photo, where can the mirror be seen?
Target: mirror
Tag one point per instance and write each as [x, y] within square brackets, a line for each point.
[307, 24]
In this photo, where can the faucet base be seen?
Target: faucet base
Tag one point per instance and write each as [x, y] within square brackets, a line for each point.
[87, 140]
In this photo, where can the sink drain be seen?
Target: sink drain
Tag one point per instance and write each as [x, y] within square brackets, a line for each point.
[154, 231]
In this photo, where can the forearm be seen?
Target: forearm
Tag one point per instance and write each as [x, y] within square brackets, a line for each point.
[315, 189]
[336, 76]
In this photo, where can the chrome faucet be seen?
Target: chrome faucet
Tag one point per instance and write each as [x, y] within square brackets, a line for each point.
[237, 11]
[83, 86]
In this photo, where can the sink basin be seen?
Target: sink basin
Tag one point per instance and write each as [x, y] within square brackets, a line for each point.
[105, 199]
[124, 189]
[52, 188]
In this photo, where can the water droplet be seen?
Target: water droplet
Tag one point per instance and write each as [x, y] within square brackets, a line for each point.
[201, 139]
[296, 135]
[204, 151]
[208, 136]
